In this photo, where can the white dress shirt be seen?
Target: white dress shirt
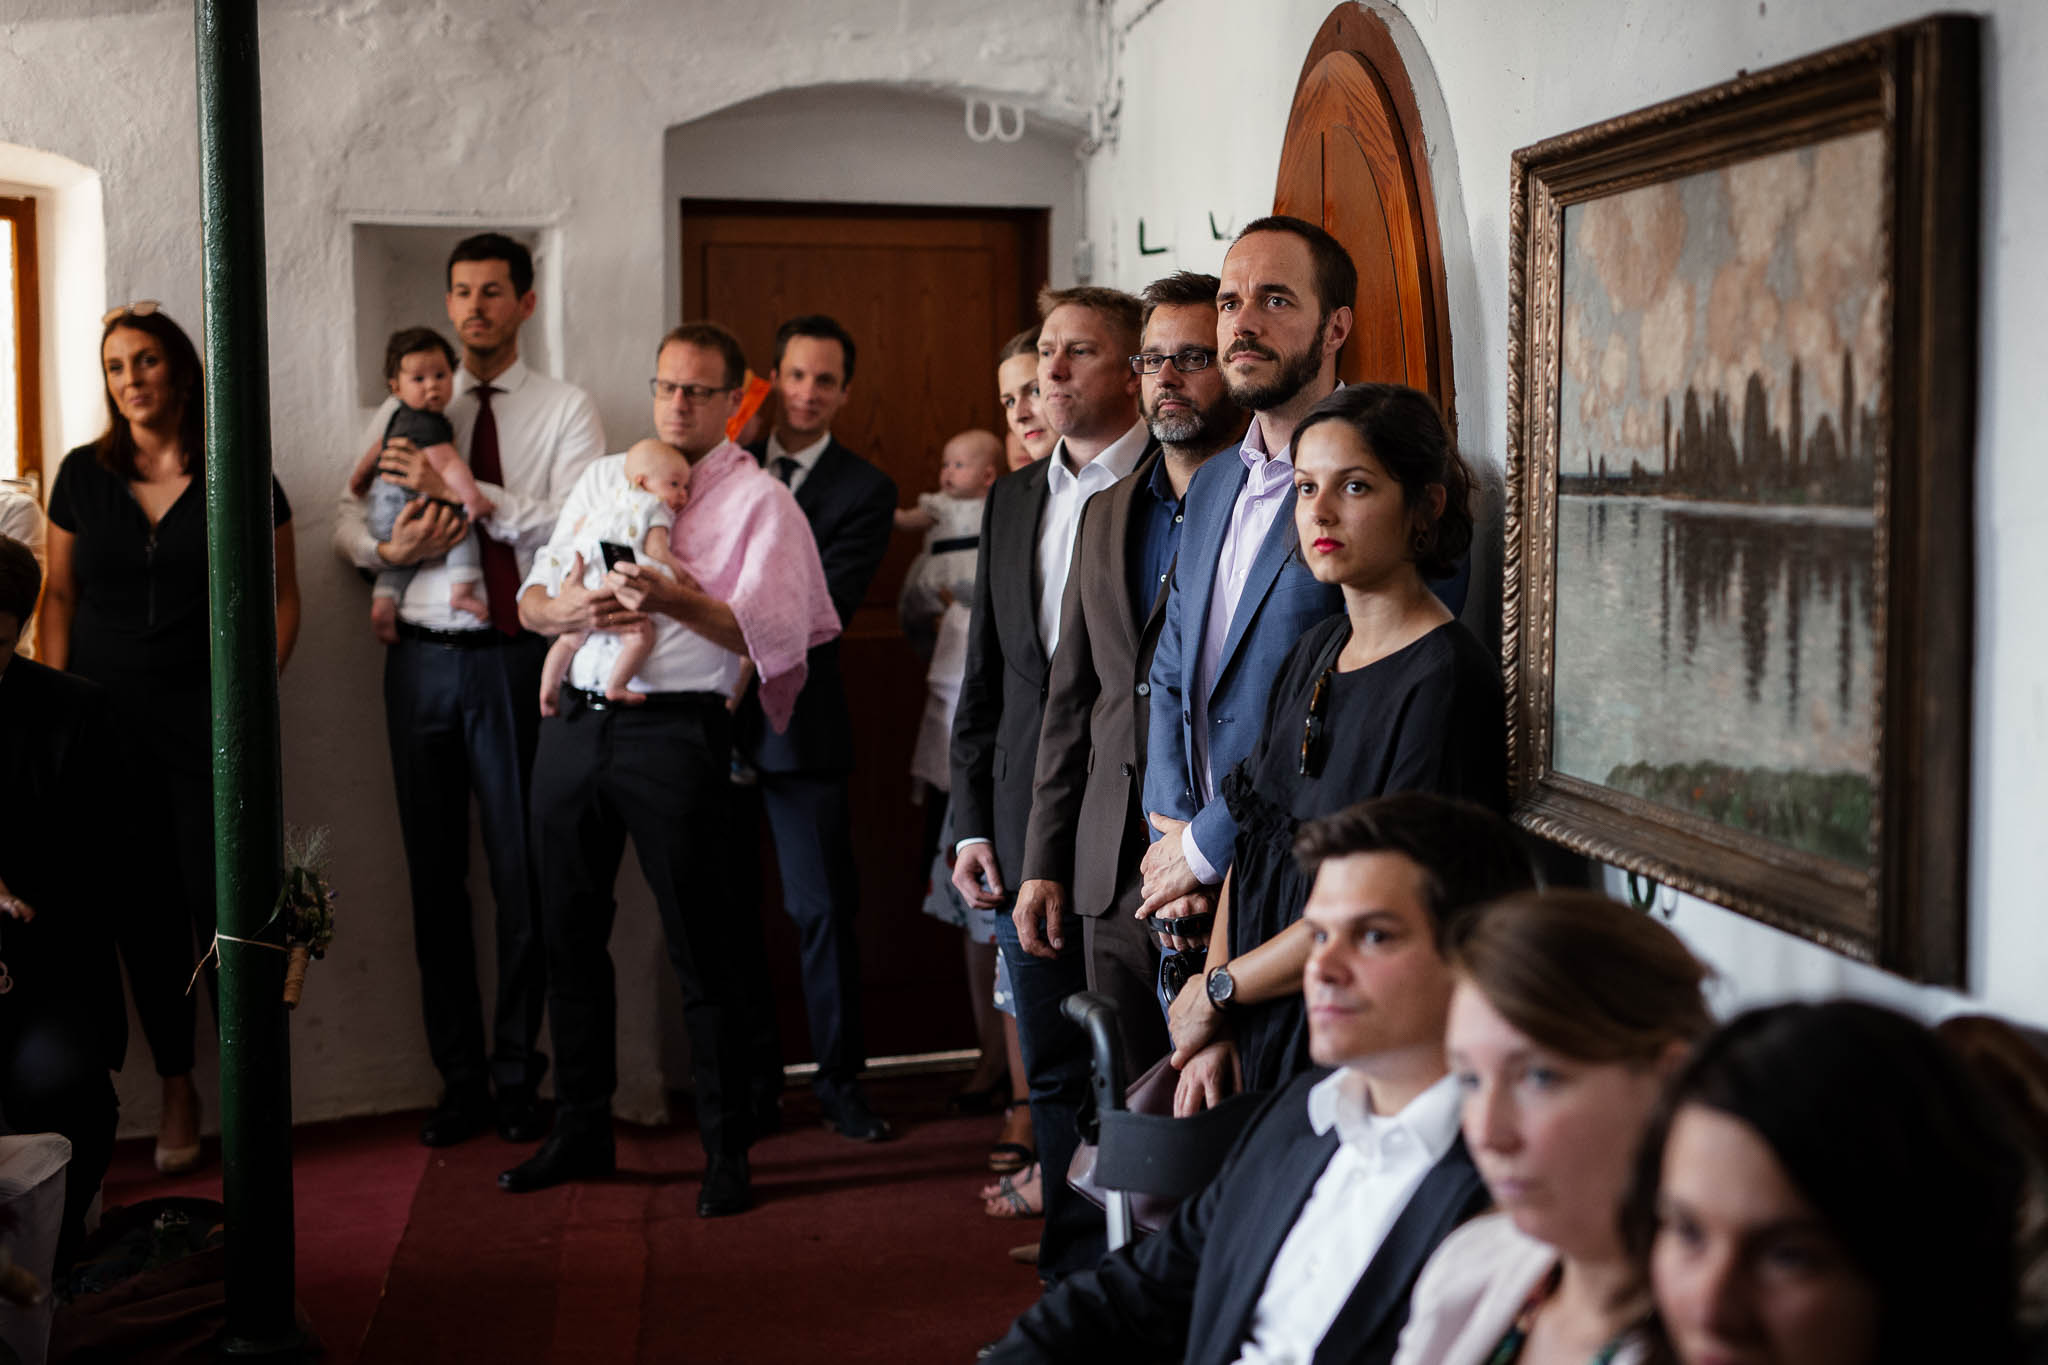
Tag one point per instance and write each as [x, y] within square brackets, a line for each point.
[548, 432]
[681, 660]
[1268, 478]
[806, 459]
[1380, 1161]
[1066, 492]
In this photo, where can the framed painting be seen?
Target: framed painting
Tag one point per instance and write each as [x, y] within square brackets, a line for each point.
[1737, 616]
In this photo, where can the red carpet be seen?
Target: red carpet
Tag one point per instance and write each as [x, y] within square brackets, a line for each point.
[854, 1253]
[353, 1185]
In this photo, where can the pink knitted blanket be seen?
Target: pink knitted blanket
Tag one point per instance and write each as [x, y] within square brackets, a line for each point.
[746, 542]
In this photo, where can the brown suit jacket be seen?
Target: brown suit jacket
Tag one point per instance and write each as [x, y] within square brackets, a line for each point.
[1087, 830]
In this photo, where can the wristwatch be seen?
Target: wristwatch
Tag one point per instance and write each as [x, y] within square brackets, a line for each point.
[1220, 987]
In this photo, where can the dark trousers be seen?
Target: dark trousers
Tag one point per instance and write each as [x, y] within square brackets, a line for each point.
[53, 1079]
[812, 824]
[1074, 1236]
[465, 721]
[1123, 964]
[661, 776]
[171, 907]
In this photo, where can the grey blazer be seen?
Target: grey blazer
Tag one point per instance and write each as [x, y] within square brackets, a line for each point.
[1086, 824]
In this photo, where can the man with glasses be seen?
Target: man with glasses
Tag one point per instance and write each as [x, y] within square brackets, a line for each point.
[1087, 829]
[802, 773]
[658, 769]
[1088, 394]
[461, 696]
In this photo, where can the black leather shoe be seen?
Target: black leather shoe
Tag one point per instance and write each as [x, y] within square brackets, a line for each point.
[728, 1188]
[460, 1116]
[848, 1114]
[565, 1156]
[519, 1116]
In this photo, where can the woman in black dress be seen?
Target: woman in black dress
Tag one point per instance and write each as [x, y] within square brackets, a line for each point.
[1393, 695]
[126, 607]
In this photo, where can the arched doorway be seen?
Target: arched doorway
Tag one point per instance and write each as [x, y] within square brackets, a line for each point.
[1354, 161]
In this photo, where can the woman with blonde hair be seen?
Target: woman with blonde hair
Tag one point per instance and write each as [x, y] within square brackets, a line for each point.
[1569, 1015]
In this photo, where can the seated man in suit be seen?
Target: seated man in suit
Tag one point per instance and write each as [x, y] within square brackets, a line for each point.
[1307, 1243]
[62, 1024]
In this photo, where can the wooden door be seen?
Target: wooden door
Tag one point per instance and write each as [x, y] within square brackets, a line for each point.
[1353, 160]
[930, 295]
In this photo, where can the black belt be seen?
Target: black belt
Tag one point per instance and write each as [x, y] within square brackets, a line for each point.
[946, 547]
[484, 637]
[656, 701]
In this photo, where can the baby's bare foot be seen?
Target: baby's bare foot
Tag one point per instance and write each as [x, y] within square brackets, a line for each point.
[464, 597]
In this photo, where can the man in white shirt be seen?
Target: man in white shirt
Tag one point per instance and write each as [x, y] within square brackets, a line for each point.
[658, 770]
[1306, 1244]
[1088, 393]
[461, 696]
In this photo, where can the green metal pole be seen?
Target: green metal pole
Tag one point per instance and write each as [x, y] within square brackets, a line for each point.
[255, 1059]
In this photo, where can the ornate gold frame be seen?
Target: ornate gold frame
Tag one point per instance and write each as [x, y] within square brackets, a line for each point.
[1919, 85]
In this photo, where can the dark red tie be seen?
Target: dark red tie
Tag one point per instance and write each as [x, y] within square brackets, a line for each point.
[501, 566]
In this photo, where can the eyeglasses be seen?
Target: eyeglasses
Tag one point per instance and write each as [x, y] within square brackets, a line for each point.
[1187, 362]
[141, 308]
[1312, 728]
[692, 393]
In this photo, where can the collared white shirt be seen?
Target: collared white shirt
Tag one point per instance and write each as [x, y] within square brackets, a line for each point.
[806, 459]
[681, 660]
[548, 431]
[1066, 492]
[1269, 478]
[1379, 1163]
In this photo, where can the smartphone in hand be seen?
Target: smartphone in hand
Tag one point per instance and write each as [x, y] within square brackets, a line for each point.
[615, 554]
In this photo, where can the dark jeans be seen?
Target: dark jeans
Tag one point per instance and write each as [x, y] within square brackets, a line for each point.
[465, 721]
[812, 824]
[1056, 1061]
[661, 776]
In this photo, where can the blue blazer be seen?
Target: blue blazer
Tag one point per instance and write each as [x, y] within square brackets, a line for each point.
[1281, 600]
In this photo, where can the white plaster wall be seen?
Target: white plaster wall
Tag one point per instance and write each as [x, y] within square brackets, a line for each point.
[1207, 86]
[548, 114]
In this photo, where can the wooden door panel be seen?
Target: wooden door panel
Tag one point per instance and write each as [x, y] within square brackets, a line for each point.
[1353, 161]
[929, 296]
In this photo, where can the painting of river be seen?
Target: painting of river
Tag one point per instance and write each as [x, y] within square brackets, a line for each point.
[1721, 398]
[1719, 658]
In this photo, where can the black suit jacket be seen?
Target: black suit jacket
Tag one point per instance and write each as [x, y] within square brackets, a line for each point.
[1002, 695]
[851, 506]
[1188, 1292]
[55, 766]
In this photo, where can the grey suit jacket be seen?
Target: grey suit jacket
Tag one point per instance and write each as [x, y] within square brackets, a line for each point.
[1086, 827]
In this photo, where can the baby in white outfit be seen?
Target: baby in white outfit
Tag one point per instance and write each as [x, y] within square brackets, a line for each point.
[638, 516]
[951, 521]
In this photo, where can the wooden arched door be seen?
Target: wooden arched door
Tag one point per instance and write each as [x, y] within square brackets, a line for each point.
[1354, 161]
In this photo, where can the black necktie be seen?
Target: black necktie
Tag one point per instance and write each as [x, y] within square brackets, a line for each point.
[785, 468]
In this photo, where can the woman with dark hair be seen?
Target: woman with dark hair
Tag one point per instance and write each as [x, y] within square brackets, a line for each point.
[1828, 1185]
[1569, 1014]
[1391, 695]
[126, 607]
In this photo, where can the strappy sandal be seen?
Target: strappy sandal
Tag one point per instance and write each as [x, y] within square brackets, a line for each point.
[1015, 1203]
[1008, 1158]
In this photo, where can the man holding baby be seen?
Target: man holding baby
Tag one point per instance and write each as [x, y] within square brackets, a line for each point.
[746, 586]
